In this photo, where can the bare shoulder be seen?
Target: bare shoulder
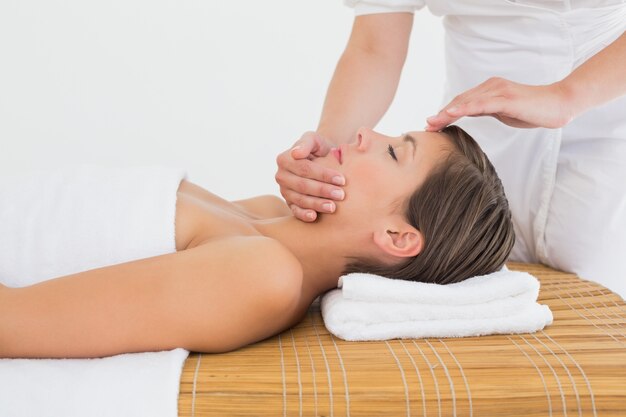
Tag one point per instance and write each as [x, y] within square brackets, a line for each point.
[255, 249]
[258, 297]
[257, 263]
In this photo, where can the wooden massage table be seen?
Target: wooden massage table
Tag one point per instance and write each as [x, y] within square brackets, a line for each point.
[575, 367]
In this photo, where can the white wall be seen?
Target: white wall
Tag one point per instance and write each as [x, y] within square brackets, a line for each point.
[217, 87]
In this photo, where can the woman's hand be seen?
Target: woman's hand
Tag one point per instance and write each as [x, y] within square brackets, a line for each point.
[305, 185]
[514, 104]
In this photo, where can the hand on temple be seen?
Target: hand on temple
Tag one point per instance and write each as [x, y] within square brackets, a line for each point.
[515, 104]
[306, 186]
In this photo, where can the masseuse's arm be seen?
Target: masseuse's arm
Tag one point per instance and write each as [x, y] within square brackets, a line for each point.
[599, 80]
[359, 94]
[215, 297]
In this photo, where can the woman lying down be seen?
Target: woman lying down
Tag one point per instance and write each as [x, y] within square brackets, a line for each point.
[425, 206]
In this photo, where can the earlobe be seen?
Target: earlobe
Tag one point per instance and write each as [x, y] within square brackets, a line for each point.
[403, 243]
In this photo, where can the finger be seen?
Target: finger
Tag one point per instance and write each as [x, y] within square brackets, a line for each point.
[323, 146]
[488, 106]
[311, 143]
[482, 104]
[300, 185]
[308, 202]
[303, 146]
[451, 112]
[445, 117]
[302, 214]
[305, 168]
[301, 151]
[497, 107]
[440, 121]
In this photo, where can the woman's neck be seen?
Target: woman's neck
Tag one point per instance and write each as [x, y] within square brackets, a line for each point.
[322, 253]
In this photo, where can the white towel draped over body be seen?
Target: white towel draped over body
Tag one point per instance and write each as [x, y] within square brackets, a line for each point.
[371, 307]
[63, 221]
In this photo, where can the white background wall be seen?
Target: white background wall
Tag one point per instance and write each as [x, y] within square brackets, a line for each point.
[216, 87]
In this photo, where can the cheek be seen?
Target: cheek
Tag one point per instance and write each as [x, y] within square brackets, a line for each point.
[375, 186]
[368, 180]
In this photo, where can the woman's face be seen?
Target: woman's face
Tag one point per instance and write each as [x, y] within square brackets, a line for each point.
[383, 171]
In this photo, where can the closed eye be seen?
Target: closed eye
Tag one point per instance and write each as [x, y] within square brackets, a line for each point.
[392, 152]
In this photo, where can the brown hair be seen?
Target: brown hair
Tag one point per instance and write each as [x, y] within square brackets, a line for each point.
[463, 215]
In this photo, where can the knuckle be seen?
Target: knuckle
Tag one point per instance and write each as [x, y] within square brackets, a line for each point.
[296, 210]
[281, 158]
[286, 194]
[501, 83]
[291, 198]
[282, 174]
[476, 105]
[506, 89]
[322, 190]
[278, 177]
[327, 176]
[299, 200]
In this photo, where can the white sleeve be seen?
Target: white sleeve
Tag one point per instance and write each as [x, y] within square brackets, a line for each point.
[362, 7]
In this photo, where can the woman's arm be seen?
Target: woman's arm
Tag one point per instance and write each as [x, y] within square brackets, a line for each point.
[362, 88]
[213, 298]
[367, 75]
[599, 80]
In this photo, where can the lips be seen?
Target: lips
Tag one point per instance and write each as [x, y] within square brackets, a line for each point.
[337, 153]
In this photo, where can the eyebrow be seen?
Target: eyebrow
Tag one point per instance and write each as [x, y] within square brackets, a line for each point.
[410, 139]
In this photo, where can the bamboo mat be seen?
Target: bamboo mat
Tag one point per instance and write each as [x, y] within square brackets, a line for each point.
[575, 367]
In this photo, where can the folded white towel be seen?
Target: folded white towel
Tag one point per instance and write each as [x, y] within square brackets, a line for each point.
[370, 307]
[128, 385]
[479, 289]
[63, 221]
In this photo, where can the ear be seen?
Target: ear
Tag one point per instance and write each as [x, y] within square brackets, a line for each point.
[399, 239]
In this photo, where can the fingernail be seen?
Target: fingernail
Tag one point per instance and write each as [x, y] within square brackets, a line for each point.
[329, 207]
[310, 215]
[337, 194]
[431, 117]
[453, 109]
[338, 180]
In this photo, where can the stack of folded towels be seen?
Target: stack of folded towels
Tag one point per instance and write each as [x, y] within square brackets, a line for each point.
[371, 307]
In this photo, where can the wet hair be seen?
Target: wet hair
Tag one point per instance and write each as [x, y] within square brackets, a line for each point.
[463, 215]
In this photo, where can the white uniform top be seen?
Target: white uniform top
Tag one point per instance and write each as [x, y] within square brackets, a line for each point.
[566, 187]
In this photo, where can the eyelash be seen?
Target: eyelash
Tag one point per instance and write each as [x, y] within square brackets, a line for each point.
[392, 152]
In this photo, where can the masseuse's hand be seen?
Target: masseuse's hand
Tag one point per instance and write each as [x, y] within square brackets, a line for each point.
[306, 186]
[517, 105]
